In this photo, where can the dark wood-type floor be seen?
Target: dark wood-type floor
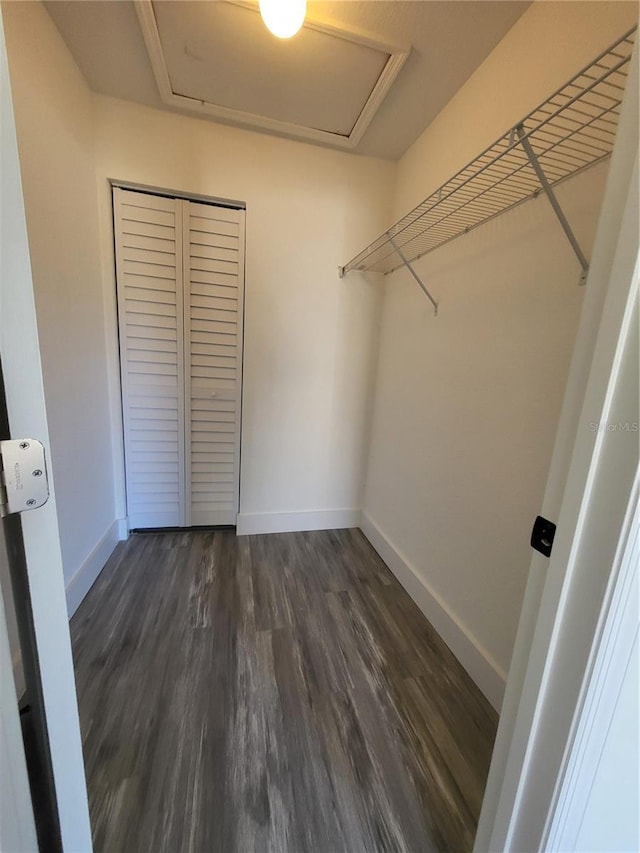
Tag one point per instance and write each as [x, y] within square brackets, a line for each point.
[272, 693]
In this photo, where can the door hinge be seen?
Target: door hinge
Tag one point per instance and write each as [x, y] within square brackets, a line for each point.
[24, 484]
[542, 535]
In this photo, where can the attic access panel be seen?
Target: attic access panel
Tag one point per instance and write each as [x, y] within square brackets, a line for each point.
[324, 85]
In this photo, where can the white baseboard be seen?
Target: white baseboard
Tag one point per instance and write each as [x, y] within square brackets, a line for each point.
[85, 577]
[486, 673]
[290, 522]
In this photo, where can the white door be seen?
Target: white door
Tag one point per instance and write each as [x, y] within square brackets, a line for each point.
[213, 300]
[42, 558]
[149, 274]
[180, 273]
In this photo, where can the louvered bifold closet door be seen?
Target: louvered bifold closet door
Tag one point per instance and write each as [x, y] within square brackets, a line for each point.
[213, 302]
[149, 274]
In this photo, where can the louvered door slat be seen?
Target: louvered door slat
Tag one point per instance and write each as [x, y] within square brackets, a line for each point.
[150, 305]
[213, 299]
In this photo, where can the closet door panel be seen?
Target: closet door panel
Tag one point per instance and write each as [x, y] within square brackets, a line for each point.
[149, 273]
[213, 301]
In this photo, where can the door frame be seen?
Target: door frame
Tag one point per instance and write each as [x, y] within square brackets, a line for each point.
[34, 729]
[20, 354]
[565, 596]
[605, 702]
[17, 824]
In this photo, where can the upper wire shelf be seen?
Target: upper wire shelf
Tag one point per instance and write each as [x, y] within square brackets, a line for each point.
[572, 130]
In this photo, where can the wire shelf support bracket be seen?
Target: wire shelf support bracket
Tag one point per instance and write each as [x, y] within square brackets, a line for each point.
[571, 131]
[415, 275]
[548, 190]
[342, 272]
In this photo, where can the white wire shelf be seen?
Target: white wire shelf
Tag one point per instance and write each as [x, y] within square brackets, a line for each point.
[571, 131]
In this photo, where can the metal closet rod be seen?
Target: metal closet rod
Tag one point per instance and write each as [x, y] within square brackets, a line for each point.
[569, 132]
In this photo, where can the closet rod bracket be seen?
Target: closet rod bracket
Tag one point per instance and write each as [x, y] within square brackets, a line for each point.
[407, 264]
[548, 190]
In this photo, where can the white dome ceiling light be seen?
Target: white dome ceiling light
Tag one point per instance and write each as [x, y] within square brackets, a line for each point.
[283, 17]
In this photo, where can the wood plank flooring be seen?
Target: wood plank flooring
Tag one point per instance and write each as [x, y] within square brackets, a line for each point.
[273, 693]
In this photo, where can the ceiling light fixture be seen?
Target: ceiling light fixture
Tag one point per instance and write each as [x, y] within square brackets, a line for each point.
[283, 17]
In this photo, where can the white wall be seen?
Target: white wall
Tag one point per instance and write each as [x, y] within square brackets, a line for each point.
[309, 336]
[55, 137]
[467, 404]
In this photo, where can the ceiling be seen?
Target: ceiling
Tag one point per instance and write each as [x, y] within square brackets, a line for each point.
[324, 85]
[366, 76]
